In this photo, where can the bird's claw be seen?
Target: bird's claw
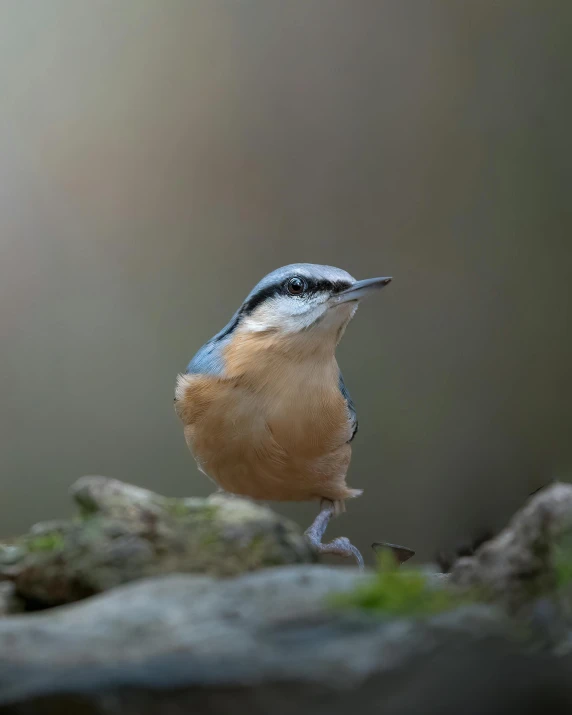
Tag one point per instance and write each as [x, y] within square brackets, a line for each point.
[341, 546]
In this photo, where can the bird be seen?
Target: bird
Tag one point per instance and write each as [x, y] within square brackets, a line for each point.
[264, 406]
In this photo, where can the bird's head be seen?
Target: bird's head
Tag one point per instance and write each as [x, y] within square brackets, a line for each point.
[305, 299]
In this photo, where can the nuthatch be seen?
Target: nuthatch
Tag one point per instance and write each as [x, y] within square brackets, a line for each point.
[265, 410]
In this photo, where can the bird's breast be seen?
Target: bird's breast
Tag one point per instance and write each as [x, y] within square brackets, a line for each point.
[276, 431]
[306, 411]
[306, 414]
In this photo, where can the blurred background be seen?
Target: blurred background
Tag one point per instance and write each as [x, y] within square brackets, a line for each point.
[158, 157]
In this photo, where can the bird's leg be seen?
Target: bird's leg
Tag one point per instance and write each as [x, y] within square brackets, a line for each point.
[340, 546]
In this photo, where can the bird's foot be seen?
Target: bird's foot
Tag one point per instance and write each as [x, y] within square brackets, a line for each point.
[341, 546]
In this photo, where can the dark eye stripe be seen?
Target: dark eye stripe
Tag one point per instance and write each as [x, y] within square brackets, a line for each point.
[258, 298]
[335, 286]
[274, 289]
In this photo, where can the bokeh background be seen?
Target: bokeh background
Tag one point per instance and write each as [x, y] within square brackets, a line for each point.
[158, 157]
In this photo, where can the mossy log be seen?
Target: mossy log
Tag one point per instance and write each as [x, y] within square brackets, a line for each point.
[123, 533]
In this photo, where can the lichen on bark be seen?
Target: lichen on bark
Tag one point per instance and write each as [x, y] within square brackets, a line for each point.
[123, 533]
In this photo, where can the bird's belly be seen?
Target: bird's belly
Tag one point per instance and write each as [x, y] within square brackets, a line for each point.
[276, 451]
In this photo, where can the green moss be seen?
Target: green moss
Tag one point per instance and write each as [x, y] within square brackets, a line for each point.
[83, 513]
[562, 561]
[400, 592]
[45, 542]
[257, 542]
[259, 553]
[179, 509]
[209, 539]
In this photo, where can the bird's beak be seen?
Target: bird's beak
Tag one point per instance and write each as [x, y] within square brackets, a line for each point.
[360, 289]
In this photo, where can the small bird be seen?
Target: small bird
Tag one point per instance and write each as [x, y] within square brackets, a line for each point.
[265, 410]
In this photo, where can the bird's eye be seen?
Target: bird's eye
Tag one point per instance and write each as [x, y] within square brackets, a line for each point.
[296, 286]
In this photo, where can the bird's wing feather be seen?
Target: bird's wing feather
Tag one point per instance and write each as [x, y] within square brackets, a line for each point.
[209, 359]
[351, 407]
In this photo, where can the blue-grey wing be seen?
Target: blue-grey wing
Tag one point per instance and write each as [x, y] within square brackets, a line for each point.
[351, 407]
[209, 360]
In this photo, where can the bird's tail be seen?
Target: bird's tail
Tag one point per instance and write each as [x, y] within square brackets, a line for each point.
[340, 504]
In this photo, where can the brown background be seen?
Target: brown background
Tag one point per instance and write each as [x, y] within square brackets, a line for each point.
[159, 157]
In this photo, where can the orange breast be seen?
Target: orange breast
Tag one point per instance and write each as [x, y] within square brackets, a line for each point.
[276, 431]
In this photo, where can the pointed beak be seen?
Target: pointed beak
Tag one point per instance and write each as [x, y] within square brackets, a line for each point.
[360, 289]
